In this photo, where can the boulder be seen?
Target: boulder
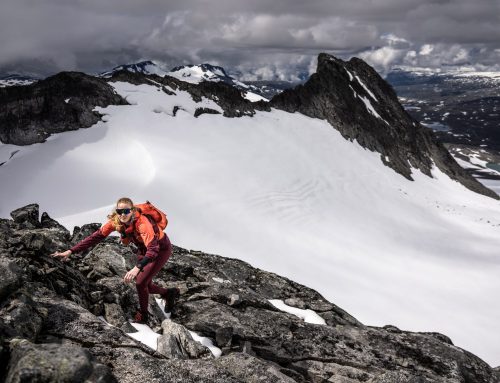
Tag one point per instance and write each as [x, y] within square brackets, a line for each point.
[27, 216]
[11, 278]
[177, 343]
[53, 363]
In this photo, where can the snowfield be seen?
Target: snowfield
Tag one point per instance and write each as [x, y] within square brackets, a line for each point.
[287, 194]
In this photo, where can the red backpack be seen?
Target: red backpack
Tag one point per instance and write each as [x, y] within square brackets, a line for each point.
[153, 214]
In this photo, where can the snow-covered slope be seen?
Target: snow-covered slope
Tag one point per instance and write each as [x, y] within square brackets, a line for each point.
[193, 74]
[288, 194]
[145, 67]
[196, 73]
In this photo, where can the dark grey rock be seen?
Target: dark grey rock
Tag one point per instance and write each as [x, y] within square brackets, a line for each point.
[200, 111]
[49, 321]
[113, 259]
[114, 314]
[53, 362]
[22, 316]
[27, 216]
[49, 223]
[223, 336]
[177, 343]
[11, 278]
[29, 114]
[247, 368]
[80, 233]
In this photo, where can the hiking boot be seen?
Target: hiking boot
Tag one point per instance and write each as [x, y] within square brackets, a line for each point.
[141, 317]
[170, 298]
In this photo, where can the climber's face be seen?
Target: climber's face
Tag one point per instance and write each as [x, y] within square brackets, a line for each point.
[124, 211]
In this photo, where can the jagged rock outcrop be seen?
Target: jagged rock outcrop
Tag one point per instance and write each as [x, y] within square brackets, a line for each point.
[29, 114]
[226, 96]
[50, 328]
[362, 106]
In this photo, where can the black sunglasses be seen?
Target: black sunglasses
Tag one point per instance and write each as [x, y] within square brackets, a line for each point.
[123, 211]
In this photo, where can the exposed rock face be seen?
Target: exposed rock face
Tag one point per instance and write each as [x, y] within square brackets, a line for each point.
[226, 96]
[355, 100]
[50, 330]
[29, 114]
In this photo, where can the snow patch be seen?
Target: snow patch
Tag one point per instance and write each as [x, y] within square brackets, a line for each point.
[145, 335]
[350, 75]
[220, 280]
[207, 342]
[254, 97]
[308, 316]
[366, 89]
[371, 109]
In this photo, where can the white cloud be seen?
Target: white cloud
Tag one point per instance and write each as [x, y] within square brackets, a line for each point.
[383, 57]
[426, 49]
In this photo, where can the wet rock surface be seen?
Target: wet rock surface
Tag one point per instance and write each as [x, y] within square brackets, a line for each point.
[68, 322]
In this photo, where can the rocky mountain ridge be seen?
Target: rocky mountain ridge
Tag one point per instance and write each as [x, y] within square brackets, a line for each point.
[365, 108]
[50, 328]
[351, 96]
[30, 114]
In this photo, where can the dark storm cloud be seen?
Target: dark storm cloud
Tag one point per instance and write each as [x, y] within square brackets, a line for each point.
[260, 38]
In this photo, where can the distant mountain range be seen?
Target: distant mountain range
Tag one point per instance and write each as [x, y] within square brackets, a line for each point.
[462, 108]
[194, 74]
[16, 79]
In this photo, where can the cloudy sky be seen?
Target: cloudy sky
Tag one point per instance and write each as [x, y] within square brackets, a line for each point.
[268, 39]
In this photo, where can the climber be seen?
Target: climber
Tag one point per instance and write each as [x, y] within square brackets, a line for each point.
[154, 250]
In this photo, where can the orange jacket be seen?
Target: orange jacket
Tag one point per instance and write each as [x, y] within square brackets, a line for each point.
[140, 231]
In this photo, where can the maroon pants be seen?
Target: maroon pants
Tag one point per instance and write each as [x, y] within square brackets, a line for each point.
[144, 280]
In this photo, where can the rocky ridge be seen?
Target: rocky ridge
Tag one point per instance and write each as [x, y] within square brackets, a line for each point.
[30, 114]
[51, 327]
[359, 103]
[226, 96]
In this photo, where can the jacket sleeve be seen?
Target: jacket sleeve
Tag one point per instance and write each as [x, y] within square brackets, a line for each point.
[94, 238]
[147, 233]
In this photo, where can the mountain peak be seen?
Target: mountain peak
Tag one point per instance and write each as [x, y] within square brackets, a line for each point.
[209, 70]
[362, 106]
[144, 67]
[203, 72]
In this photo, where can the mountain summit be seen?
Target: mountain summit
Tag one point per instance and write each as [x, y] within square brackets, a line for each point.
[203, 72]
[69, 322]
[362, 106]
